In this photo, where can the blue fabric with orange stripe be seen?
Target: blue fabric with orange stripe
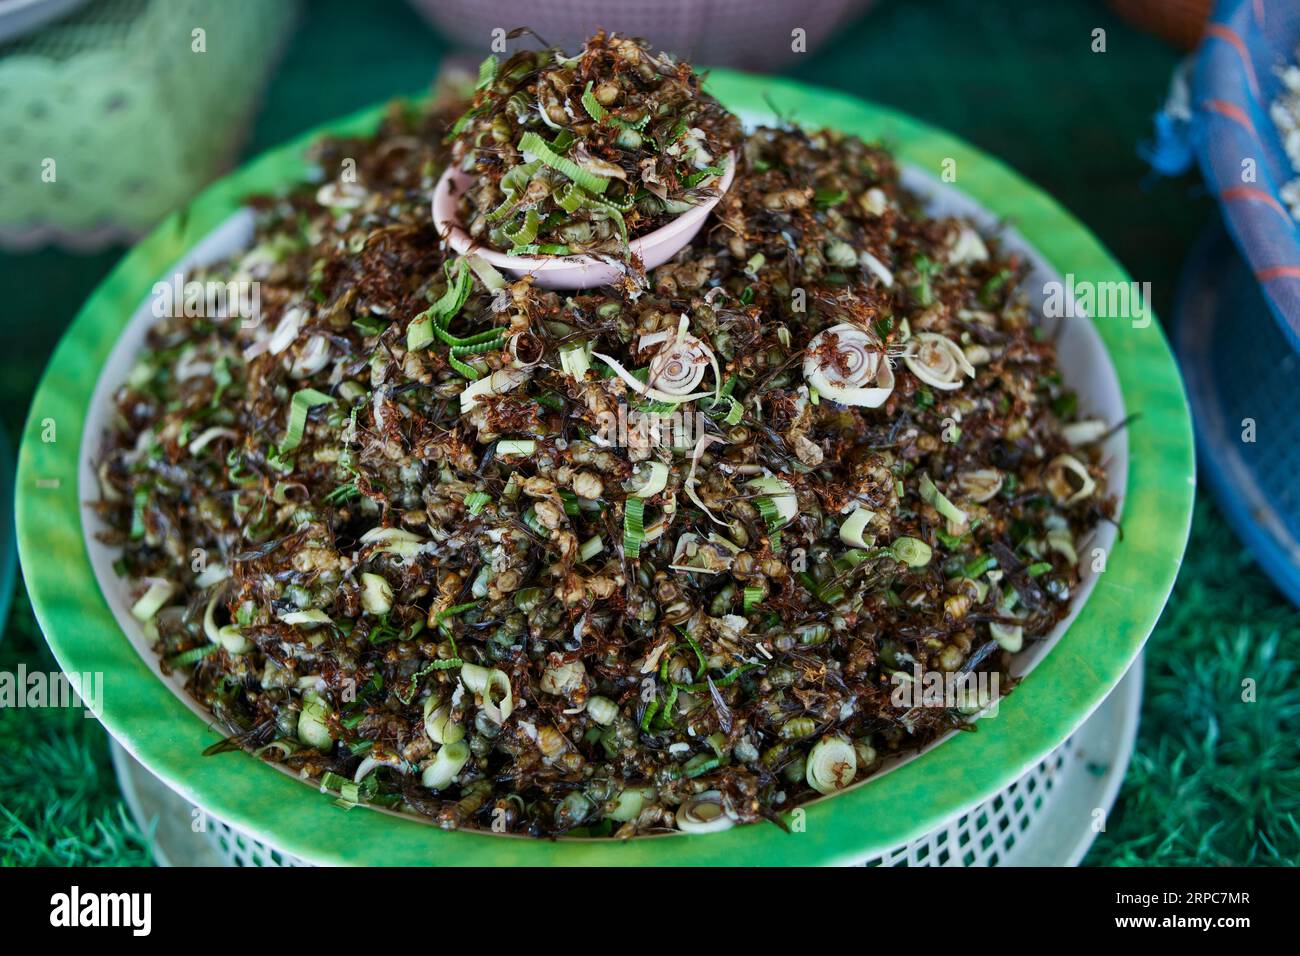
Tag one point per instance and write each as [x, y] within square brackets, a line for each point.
[1240, 148]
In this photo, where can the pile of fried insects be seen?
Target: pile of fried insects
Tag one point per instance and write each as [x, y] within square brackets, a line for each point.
[611, 562]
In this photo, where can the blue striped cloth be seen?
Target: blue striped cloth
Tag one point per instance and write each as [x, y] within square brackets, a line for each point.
[1239, 146]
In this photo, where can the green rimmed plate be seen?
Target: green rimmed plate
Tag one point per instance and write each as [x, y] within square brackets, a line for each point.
[1116, 366]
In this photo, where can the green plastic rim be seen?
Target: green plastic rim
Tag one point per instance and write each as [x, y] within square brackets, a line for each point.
[1085, 665]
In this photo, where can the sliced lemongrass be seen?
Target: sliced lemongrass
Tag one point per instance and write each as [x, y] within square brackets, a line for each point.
[286, 332]
[878, 268]
[913, 552]
[628, 804]
[853, 526]
[435, 319]
[703, 813]
[498, 383]
[591, 547]
[967, 246]
[312, 618]
[486, 272]
[653, 478]
[688, 550]
[980, 485]
[512, 349]
[516, 446]
[314, 357]
[832, 764]
[932, 496]
[633, 530]
[483, 681]
[313, 723]
[1056, 478]
[1010, 637]
[1086, 432]
[937, 360]
[842, 363]
[1061, 541]
[233, 640]
[397, 541]
[532, 145]
[689, 485]
[209, 435]
[304, 400]
[449, 761]
[158, 594]
[438, 723]
[523, 233]
[376, 593]
[214, 573]
[651, 339]
[210, 626]
[677, 368]
[575, 360]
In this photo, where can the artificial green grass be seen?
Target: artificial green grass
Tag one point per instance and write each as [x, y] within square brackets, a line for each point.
[1215, 779]
[59, 802]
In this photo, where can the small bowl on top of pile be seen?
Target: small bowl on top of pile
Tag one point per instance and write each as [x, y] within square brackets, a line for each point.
[579, 170]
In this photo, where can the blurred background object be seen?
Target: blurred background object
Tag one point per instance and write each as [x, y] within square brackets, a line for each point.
[19, 17]
[739, 33]
[1238, 319]
[117, 113]
[1178, 21]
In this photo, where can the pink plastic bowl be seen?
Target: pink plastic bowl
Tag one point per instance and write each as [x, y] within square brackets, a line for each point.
[570, 272]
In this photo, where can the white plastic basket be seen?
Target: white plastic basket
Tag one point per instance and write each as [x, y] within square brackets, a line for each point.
[1048, 817]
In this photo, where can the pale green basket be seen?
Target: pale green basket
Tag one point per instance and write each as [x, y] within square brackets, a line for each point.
[134, 118]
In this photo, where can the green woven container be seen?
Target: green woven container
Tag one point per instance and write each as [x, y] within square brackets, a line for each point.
[114, 116]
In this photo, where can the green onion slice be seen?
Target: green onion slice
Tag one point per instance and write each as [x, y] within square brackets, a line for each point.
[697, 177]
[487, 274]
[193, 655]
[539, 148]
[512, 446]
[778, 505]
[913, 552]
[304, 400]
[523, 233]
[487, 72]
[653, 476]
[590, 548]
[935, 498]
[633, 529]
[434, 320]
